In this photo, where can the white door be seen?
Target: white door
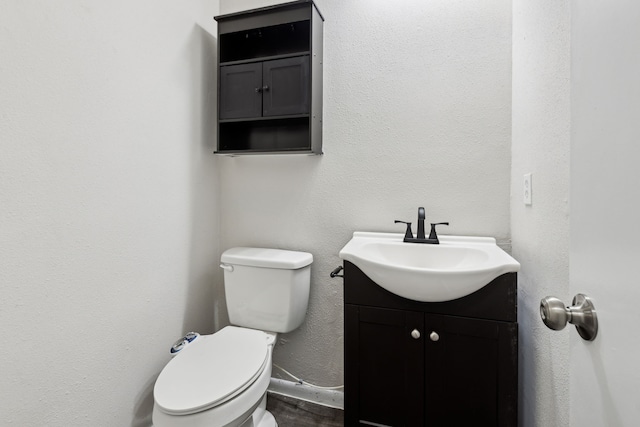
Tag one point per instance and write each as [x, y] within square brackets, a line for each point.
[605, 209]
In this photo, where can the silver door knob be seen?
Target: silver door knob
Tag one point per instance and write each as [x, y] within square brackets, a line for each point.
[433, 336]
[582, 314]
[415, 334]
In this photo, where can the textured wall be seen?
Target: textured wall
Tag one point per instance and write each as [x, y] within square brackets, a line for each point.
[108, 203]
[417, 112]
[540, 232]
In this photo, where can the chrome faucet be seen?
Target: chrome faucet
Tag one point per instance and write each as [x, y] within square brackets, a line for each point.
[420, 236]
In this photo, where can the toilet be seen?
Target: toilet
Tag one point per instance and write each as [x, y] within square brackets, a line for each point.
[221, 380]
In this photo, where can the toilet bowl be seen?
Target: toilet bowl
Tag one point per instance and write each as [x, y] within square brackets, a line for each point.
[220, 380]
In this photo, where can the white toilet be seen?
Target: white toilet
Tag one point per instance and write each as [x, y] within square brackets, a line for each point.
[221, 380]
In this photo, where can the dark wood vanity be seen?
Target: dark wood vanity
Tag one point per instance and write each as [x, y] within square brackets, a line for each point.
[444, 364]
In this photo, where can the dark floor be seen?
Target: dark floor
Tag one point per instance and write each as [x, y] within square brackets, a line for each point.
[291, 412]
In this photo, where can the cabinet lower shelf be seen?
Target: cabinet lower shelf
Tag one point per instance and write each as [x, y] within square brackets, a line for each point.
[289, 134]
[260, 119]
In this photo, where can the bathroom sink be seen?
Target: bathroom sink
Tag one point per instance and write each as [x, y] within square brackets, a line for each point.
[457, 267]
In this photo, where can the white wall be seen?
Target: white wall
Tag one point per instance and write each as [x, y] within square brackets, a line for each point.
[540, 232]
[417, 112]
[108, 203]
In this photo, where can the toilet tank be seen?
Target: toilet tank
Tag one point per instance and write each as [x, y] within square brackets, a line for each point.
[266, 289]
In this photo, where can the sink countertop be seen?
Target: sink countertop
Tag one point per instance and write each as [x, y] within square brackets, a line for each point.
[458, 266]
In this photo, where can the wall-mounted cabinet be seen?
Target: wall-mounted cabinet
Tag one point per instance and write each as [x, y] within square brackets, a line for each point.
[270, 80]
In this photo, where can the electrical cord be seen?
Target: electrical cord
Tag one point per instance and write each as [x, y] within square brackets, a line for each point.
[300, 381]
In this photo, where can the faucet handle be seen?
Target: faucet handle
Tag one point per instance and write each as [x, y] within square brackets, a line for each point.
[433, 235]
[408, 234]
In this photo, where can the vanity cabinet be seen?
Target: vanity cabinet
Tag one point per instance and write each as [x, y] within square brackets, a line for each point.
[270, 80]
[447, 364]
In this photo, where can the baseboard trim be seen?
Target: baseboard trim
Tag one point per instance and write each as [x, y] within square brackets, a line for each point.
[329, 398]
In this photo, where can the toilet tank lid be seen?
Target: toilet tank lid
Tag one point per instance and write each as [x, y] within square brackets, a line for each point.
[267, 258]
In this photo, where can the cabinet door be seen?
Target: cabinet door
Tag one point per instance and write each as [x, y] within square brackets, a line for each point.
[471, 372]
[384, 367]
[286, 86]
[240, 91]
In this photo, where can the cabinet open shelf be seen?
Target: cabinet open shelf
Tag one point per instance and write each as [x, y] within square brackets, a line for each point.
[264, 135]
[283, 39]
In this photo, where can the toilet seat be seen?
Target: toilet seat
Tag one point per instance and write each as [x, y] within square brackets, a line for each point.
[213, 370]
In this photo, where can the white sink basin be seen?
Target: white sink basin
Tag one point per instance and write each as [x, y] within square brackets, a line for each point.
[457, 267]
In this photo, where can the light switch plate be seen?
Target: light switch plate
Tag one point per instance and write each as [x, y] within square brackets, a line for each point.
[527, 189]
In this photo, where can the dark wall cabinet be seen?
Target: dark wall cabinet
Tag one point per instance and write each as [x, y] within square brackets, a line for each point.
[270, 80]
[265, 89]
[445, 364]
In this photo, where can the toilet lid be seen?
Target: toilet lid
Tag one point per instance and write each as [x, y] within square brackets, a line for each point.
[211, 371]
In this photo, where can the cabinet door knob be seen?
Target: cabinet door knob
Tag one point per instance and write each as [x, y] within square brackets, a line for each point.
[265, 88]
[415, 334]
[258, 90]
[434, 336]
